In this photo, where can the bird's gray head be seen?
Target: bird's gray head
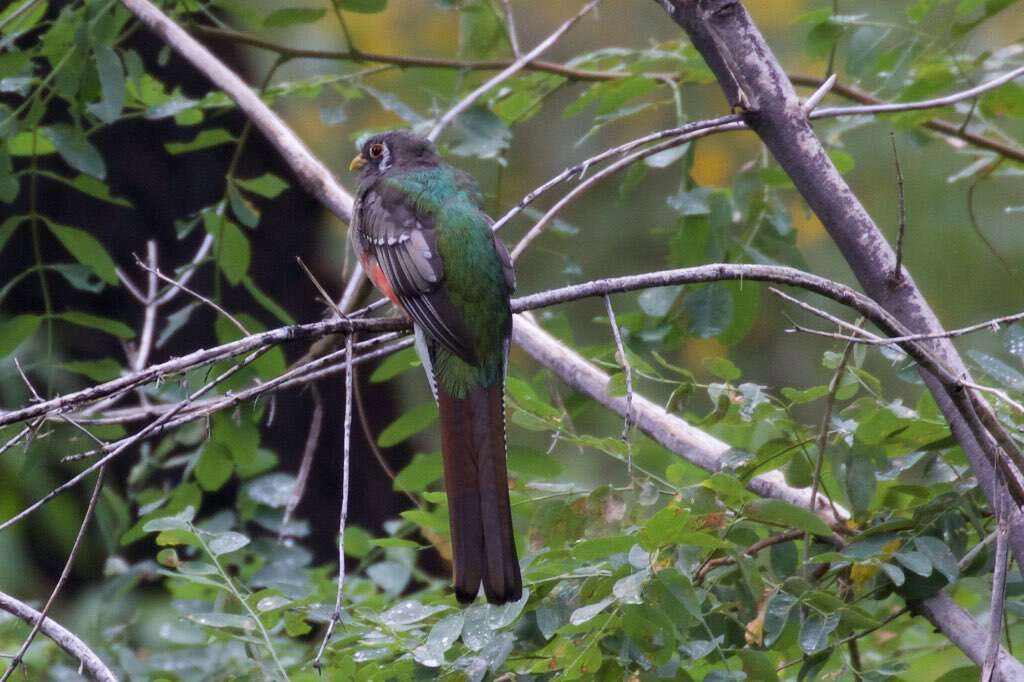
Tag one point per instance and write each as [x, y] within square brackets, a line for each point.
[383, 151]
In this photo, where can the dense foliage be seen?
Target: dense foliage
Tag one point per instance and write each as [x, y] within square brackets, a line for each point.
[637, 564]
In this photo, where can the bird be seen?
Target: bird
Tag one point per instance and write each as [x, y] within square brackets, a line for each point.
[426, 243]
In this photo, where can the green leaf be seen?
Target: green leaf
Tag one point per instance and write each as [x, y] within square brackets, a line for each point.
[214, 467]
[394, 365]
[111, 73]
[362, 6]
[722, 368]
[104, 324]
[785, 514]
[709, 310]
[998, 370]
[292, 16]
[76, 150]
[602, 548]
[15, 330]
[273, 490]
[357, 542]
[86, 249]
[180, 521]
[776, 614]
[815, 631]
[860, 480]
[26, 18]
[423, 470]
[658, 301]
[412, 422]
[29, 142]
[234, 250]
[940, 556]
[97, 370]
[8, 227]
[266, 302]
[226, 542]
[394, 542]
[532, 464]
[915, 562]
[220, 620]
[806, 395]
[480, 134]
[243, 209]
[267, 185]
[97, 189]
[204, 140]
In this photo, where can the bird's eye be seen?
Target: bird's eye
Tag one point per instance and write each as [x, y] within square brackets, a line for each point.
[376, 150]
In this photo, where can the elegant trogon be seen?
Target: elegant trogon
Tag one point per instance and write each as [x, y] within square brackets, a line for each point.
[426, 243]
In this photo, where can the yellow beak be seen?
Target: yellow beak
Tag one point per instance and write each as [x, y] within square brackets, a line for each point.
[357, 163]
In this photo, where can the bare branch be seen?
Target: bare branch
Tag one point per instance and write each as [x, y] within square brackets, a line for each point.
[198, 359]
[897, 273]
[510, 28]
[154, 272]
[64, 638]
[506, 73]
[627, 428]
[190, 269]
[812, 102]
[995, 615]
[306, 464]
[581, 168]
[343, 514]
[149, 316]
[935, 103]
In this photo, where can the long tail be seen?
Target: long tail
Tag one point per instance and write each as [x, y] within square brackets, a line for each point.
[476, 480]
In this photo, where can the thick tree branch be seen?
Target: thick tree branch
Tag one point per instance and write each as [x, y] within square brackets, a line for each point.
[64, 638]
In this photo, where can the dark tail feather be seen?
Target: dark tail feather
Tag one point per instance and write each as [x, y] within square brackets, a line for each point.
[483, 543]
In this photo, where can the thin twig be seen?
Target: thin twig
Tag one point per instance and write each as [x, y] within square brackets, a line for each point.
[371, 440]
[999, 393]
[611, 169]
[990, 671]
[812, 102]
[936, 103]
[511, 70]
[177, 284]
[897, 272]
[190, 270]
[149, 316]
[306, 465]
[701, 573]
[41, 618]
[580, 169]
[992, 325]
[343, 515]
[627, 369]
[319, 287]
[510, 28]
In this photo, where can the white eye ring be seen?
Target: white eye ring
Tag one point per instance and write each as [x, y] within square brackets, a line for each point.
[376, 150]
